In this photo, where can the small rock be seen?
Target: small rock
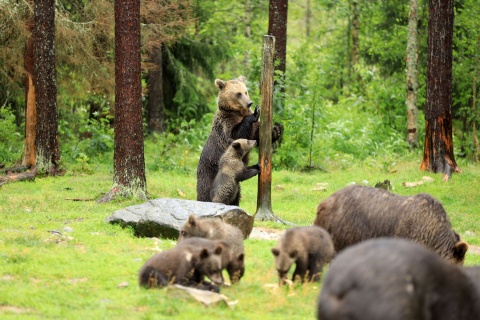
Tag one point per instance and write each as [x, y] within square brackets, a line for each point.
[122, 285]
[279, 187]
[68, 229]
[137, 259]
[56, 232]
[365, 182]
[351, 183]
[468, 233]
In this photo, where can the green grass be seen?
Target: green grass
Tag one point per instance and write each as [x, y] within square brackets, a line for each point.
[102, 255]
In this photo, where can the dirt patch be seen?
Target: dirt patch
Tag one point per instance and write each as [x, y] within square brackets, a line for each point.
[473, 249]
[263, 233]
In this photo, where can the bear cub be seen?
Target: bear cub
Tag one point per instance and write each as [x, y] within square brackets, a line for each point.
[186, 265]
[232, 262]
[309, 247]
[233, 170]
[212, 229]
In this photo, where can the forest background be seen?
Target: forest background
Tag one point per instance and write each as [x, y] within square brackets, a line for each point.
[336, 114]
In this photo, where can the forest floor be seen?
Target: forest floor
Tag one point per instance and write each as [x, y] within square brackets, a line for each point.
[76, 276]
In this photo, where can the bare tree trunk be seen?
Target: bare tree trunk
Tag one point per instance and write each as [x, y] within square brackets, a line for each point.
[412, 81]
[422, 27]
[438, 153]
[47, 151]
[349, 64]
[129, 163]
[356, 27]
[156, 105]
[277, 27]
[308, 15]
[475, 138]
[28, 157]
[248, 33]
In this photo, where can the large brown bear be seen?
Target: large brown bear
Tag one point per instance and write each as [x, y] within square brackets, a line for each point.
[233, 120]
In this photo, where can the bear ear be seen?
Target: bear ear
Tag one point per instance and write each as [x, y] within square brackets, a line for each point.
[242, 79]
[191, 220]
[241, 256]
[220, 84]
[294, 253]
[460, 250]
[236, 145]
[218, 250]
[204, 253]
[275, 252]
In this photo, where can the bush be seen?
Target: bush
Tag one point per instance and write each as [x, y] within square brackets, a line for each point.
[11, 141]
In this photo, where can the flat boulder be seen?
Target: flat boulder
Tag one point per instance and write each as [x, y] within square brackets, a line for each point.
[165, 217]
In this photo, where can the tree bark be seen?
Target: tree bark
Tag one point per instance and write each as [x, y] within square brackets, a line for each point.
[412, 80]
[47, 151]
[277, 27]
[356, 27]
[248, 33]
[28, 157]
[438, 153]
[308, 15]
[475, 138]
[156, 105]
[129, 163]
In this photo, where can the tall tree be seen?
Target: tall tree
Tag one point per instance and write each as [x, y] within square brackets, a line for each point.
[28, 157]
[129, 163]
[412, 80]
[248, 33]
[438, 153]
[156, 108]
[47, 152]
[277, 27]
[356, 28]
[475, 78]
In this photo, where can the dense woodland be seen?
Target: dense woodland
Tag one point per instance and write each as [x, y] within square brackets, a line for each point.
[342, 97]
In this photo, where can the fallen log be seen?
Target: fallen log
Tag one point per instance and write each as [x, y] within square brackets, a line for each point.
[15, 169]
[14, 177]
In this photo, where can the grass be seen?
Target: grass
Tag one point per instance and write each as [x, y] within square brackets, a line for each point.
[78, 278]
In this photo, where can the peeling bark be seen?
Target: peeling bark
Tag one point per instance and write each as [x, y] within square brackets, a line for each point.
[129, 163]
[277, 27]
[46, 143]
[356, 28]
[412, 80]
[438, 154]
[156, 106]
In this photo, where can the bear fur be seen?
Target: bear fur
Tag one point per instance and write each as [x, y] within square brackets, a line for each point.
[309, 247]
[233, 120]
[184, 265]
[212, 229]
[232, 170]
[357, 213]
[396, 279]
[233, 263]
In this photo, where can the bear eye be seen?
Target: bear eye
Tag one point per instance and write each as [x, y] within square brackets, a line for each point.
[239, 95]
[183, 233]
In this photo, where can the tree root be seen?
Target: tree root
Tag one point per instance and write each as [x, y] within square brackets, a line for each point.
[267, 215]
[24, 176]
[109, 196]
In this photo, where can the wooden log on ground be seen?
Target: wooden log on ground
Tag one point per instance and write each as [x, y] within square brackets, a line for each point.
[15, 169]
[14, 177]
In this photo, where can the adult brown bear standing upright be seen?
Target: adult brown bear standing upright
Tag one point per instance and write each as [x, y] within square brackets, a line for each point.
[233, 120]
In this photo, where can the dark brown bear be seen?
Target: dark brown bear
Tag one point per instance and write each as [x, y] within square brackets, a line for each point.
[396, 279]
[357, 213]
[232, 170]
[186, 265]
[309, 247]
[233, 263]
[212, 229]
[230, 122]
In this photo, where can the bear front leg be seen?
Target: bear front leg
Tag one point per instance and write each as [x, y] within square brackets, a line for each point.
[277, 132]
[244, 129]
[315, 267]
[300, 270]
[247, 174]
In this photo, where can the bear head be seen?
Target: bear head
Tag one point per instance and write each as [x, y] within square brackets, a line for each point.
[283, 262]
[233, 96]
[240, 148]
[209, 263]
[236, 267]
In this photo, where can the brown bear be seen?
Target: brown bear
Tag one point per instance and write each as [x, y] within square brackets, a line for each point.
[396, 279]
[184, 265]
[233, 263]
[232, 170]
[212, 229]
[357, 213]
[309, 247]
[230, 122]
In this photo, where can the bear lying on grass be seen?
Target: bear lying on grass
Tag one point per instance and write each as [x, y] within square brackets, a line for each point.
[233, 120]
[357, 213]
[397, 279]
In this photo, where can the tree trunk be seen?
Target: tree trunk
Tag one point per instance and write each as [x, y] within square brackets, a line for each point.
[412, 81]
[277, 27]
[28, 157]
[438, 153]
[129, 163]
[308, 15]
[475, 138]
[356, 27]
[47, 152]
[349, 64]
[156, 105]
[422, 27]
[248, 33]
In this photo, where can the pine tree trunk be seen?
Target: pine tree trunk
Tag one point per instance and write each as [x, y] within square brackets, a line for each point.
[475, 138]
[155, 94]
[28, 157]
[412, 81]
[277, 27]
[129, 163]
[308, 15]
[356, 27]
[47, 152]
[438, 153]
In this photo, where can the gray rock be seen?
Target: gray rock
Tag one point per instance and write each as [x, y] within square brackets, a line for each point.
[469, 233]
[68, 229]
[164, 217]
[137, 259]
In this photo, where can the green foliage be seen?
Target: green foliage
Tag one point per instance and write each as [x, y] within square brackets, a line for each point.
[10, 139]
